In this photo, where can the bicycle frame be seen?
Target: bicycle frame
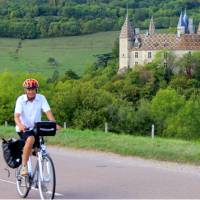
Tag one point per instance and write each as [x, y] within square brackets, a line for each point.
[38, 167]
[31, 177]
[41, 153]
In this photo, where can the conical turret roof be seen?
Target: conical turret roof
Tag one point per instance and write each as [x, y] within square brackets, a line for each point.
[151, 26]
[198, 30]
[180, 21]
[127, 30]
[184, 21]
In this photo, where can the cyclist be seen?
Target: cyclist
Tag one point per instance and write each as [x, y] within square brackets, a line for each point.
[28, 110]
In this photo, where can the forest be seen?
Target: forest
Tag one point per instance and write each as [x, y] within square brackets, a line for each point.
[53, 18]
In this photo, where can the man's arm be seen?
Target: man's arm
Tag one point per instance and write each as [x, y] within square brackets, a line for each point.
[18, 122]
[50, 117]
[17, 113]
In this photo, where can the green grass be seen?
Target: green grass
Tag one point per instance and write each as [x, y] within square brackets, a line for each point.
[76, 52]
[145, 147]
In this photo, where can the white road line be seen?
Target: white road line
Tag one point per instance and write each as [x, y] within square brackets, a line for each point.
[7, 181]
[57, 194]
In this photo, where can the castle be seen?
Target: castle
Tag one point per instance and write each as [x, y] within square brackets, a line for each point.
[136, 48]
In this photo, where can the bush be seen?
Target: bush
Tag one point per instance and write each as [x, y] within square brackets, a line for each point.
[186, 124]
[165, 105]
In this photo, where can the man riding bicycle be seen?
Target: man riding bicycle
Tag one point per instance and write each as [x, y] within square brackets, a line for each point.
[28, 111]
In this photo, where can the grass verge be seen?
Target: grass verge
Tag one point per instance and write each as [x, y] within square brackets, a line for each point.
[145, 147]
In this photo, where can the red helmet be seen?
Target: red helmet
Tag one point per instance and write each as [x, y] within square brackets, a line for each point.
[30, 83]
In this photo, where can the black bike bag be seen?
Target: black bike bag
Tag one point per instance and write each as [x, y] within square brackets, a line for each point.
[45, 128]
[12, 152]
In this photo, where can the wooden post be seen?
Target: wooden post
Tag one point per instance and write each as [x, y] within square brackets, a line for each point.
[6, 123]
[152, 130]
[106, 127]
[65, 125]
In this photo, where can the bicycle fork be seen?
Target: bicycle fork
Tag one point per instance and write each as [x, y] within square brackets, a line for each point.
[29, 163]
[41, 154]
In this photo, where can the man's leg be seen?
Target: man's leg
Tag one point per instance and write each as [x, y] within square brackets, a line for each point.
[26, 153]
[27, 149]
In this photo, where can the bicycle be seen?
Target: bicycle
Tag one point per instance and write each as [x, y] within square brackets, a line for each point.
[43, 176]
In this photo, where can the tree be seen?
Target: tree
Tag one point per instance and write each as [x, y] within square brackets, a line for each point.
[143, 117]
[54, 78]
[165, 105]
[89, 27]
[70, 27]
[115, 49]
[70, 75]
[43, 26]
[102, 60]
[184, 85]
[188, 64]
[126, 119]
[186, 123]
[54, 29]
[80, 104]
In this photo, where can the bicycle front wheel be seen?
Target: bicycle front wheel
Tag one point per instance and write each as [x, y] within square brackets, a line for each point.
[47, 178]
[23, 184]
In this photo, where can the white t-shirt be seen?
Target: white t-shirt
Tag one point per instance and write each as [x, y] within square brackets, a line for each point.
[31, 111]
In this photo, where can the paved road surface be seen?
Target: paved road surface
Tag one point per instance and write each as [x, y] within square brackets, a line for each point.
[94, 175]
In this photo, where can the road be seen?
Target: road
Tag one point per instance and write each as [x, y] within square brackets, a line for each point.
[96, 175]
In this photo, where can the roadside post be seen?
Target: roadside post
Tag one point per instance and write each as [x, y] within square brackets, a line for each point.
[152, 131]
[65, 125]
[106, 127]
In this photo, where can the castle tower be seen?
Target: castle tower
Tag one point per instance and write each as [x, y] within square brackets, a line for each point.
[180, 26]
[190, 26]
[198, 30]
[151, 27]
[185, 21]
[125, 43]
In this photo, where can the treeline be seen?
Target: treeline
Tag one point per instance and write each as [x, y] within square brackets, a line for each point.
[164, 94]
[50, 18]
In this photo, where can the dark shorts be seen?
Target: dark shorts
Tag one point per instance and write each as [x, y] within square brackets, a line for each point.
[25, 135]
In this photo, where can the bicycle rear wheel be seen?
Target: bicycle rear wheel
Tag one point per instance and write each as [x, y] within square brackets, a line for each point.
[47, 178]
[23, 185]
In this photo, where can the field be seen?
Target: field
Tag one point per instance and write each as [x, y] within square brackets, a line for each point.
[76, 53]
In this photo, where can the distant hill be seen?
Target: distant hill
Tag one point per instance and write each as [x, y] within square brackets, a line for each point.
[54, 18]
[55, 54]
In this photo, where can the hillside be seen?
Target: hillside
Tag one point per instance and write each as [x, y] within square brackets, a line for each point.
[53, 18]
[48, 55]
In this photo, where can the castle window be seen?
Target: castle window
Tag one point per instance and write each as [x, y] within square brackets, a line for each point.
[136, 54]
[149, 54]
[136, 63]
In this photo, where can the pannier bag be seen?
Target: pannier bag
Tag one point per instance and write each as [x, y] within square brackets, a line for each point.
[12, 152]
[45, 128]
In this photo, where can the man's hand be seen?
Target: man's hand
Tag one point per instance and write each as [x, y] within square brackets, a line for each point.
[22, 128]
[58, 127]
[18, 122]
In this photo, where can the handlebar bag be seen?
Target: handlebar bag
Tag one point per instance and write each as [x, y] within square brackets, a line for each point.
[45, 128]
